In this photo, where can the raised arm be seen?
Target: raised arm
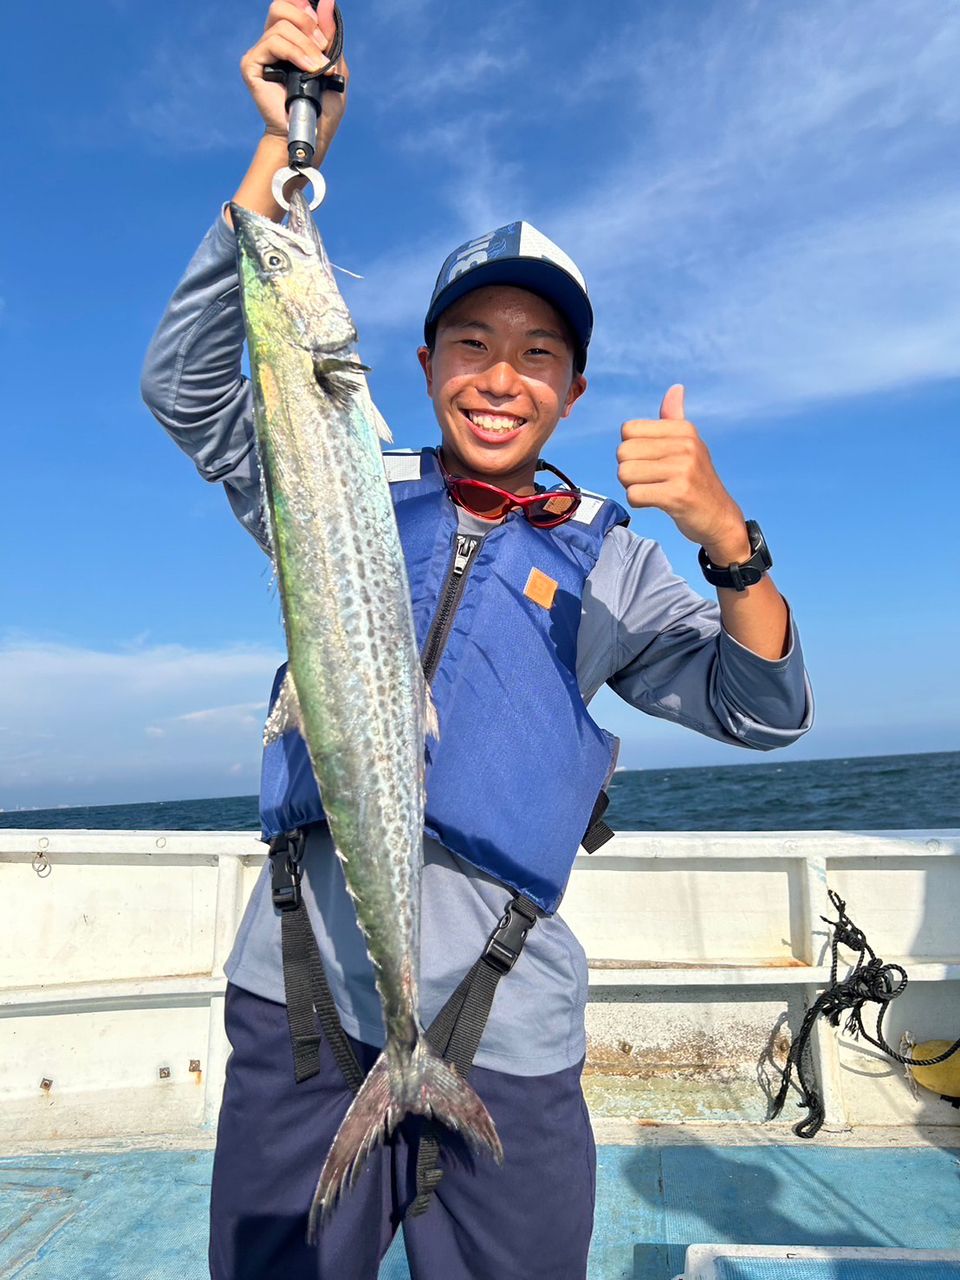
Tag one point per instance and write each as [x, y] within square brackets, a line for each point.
[192, 380]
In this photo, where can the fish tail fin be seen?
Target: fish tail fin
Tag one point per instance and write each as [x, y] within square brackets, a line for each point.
[417, 1080]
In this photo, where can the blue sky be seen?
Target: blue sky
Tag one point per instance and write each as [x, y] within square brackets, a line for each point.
[764, 200]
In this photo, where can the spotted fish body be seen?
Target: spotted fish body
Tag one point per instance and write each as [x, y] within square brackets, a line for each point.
[355, 687]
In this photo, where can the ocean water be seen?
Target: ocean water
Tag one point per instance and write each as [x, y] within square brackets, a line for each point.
[856, 794]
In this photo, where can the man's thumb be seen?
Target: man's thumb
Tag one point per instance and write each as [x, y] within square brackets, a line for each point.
[672, 406]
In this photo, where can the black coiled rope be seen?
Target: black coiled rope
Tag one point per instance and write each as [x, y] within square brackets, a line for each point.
[870, 980]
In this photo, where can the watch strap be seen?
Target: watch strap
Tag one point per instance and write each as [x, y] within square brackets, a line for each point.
[740, 576]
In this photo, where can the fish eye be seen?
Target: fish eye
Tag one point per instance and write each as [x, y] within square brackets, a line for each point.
[274, 260]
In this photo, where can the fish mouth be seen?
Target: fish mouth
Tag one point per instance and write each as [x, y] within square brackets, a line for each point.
[257, 234]
[300, 223]
[254, 229]
[300, 220]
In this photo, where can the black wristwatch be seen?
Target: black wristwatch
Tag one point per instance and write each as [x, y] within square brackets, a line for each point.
[740, 576]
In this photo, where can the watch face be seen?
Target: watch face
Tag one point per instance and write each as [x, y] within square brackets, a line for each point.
[761, 552]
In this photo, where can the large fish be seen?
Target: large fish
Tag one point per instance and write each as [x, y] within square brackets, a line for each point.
[355, 687]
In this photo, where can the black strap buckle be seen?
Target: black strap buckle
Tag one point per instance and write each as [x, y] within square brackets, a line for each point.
[506, 942]
[286, 854]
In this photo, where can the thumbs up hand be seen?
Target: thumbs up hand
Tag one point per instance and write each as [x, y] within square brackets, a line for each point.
[665, 464]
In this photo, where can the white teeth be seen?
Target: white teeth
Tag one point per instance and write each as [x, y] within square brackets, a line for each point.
[495, 422]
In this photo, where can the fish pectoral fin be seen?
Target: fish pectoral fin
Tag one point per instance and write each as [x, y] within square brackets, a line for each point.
[285, 714]
[338, 377]
[431, 721]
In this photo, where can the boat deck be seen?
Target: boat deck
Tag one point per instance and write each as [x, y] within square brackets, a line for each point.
[142, 1214]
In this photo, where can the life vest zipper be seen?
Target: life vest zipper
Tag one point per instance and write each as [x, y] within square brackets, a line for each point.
[450, 598]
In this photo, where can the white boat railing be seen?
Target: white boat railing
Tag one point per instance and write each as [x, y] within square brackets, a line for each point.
[704, 949]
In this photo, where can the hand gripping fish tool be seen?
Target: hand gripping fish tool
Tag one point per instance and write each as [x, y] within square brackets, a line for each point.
[305, 90]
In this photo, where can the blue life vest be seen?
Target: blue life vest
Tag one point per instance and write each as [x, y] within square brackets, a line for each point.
[513, 779]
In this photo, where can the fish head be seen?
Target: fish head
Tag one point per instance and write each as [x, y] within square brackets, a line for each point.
[289, 290]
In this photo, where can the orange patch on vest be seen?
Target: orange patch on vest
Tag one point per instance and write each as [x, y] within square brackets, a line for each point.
[540, 589]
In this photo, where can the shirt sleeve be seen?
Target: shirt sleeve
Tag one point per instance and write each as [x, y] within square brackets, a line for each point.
[192, 380]
[666, 652]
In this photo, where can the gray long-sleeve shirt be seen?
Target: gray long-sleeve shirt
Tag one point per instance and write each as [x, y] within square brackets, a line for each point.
[643, 631]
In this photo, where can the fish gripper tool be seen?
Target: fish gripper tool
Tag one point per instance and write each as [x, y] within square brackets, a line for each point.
[305, 90]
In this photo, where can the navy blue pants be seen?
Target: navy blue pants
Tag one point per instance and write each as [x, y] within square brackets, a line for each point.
[530, 1218]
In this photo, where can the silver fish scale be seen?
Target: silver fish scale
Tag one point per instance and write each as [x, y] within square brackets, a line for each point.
[353, 655]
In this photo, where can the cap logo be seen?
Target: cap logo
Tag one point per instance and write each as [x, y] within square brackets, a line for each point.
[520, 255]
[473, 254]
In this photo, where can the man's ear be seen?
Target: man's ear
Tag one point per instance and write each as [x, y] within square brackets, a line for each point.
[425, 356]
[577, 387]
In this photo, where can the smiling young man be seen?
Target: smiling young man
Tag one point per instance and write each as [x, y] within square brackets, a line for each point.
[527, 600]
[523, 350]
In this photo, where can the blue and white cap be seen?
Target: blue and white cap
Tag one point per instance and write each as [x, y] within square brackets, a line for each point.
[520, 255]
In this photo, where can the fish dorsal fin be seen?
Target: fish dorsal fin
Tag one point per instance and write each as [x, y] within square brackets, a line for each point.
[383, 429]
[285, 714]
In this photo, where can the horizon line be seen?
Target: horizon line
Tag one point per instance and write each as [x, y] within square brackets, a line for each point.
[124, 804]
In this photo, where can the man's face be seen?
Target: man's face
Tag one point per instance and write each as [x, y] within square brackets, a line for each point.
[500, 377]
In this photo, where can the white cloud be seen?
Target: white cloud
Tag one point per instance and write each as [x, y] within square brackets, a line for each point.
[187, 94]
[479, 69]
[855, 305]
[241, 714]
[763, 197]
[767, 208]
[161, 721]
[780, 231]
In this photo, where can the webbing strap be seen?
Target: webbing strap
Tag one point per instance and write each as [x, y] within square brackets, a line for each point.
[456, 1031]
[305, 986]
[597, 832]
[308, 998]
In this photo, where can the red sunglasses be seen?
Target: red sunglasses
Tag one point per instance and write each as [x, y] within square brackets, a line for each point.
[544, 510]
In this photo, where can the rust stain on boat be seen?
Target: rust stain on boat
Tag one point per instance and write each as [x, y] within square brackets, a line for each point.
[693, 1075]
[693, 1053]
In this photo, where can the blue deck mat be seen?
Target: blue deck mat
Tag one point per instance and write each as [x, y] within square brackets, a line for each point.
[143, 1215]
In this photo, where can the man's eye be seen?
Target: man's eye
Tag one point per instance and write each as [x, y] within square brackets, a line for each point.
[473, 342]
[539, 351]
